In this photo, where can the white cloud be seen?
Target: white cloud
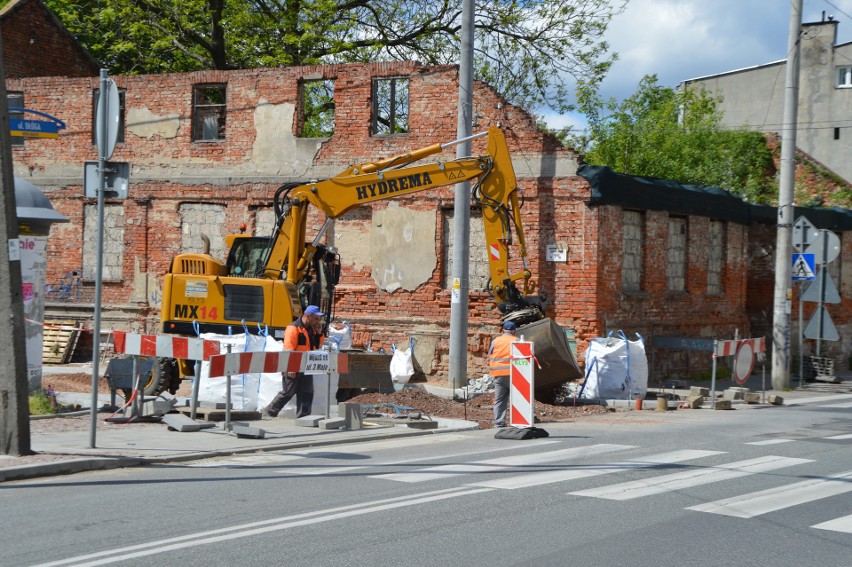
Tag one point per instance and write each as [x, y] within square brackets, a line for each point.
[684, 39]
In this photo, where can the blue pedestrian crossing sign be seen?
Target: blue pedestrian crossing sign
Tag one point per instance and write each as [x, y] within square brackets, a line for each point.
[804, 267]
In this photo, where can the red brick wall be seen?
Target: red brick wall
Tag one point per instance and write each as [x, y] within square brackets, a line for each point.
[168, 171]
[36, 45]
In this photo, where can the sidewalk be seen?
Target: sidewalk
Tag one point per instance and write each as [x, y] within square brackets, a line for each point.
[62, 443]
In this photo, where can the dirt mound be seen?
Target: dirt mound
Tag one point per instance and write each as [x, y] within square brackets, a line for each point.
[403, 402]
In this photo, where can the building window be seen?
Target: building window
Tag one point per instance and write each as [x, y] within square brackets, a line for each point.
[122, 96]
[634, 260]
[16, 100]
[197, 219]
[113, 242]
[316, 117]
[208, 112]
[390, 106]
[676, 266]
[844, 77]
[479, 270]
[716, 258]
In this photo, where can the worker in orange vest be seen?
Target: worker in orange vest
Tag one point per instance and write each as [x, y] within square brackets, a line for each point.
[499, 354]
[301, 335]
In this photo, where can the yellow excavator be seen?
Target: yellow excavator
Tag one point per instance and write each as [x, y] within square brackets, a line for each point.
[265, 282]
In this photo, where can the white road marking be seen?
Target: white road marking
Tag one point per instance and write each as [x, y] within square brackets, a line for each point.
[769, 442]
[249, 460]
[770, 500]
[255, 528]
[689, 478]
[315, 471]
[502, 464]
[843, 524]
[823, 399]
[586, 471]
[837, 406]
[839, 437]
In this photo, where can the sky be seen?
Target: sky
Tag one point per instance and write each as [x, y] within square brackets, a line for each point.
[684, 39]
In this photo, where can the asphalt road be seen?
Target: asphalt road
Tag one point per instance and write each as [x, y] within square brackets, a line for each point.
[755, 486]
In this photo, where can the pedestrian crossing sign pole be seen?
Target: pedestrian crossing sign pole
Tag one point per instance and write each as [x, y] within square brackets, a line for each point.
[804, 267]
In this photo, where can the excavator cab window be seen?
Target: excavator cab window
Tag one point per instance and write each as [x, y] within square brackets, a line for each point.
[247, 256]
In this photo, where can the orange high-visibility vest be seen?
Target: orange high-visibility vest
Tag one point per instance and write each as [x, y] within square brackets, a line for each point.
[499, 355]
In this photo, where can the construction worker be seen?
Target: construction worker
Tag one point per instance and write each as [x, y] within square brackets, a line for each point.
[301, 335]
[499, 354]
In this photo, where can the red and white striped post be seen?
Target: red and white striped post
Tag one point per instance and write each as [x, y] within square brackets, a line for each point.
[522, 381]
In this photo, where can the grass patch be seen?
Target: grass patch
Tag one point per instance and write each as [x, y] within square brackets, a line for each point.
[42, 404]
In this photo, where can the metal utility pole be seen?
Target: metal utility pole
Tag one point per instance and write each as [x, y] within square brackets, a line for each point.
[461, 211]
[781, 330]
[14, 385]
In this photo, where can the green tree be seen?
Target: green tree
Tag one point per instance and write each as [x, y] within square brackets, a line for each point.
[661, 132]
[524, 48]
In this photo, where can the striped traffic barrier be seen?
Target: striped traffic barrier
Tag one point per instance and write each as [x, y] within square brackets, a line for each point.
[165, 346]
[522, 380]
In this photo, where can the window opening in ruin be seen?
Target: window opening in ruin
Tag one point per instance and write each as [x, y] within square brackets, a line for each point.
[16, 100]
[844, 77]
[208, 112]
[122, 96]
[316, 117]
[113, 243]
[634, 251]
[478, 268]
[676, 266]
[390, 106]
[716, 258]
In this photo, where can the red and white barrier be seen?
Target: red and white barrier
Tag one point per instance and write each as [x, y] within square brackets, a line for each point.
[729, 348]
[522, 380]
[312, 362]
[165, 346]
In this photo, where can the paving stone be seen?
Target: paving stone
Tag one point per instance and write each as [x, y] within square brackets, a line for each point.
[309, 420]
[332, 423]
[245, 431]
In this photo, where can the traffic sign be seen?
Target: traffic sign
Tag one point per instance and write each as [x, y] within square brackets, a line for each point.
[824, 291]
[744, 361]
[107, 111]
[33, 128]
[826, 248]
[821, 326]
[804, 234]
[804, 268]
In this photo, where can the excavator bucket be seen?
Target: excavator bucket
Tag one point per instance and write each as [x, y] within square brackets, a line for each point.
[551, 349]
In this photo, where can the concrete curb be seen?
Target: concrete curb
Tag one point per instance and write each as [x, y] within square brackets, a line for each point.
[104, 462]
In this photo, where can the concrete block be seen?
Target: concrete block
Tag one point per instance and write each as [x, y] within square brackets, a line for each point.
[332, 423]
[733, 394]
[695, 402]
[156, 407]
[752, 398]
[699, 391]
[245, 431]
[723, 404]
[309, 420]
[352, 416]
[181, 423]
[777, 400]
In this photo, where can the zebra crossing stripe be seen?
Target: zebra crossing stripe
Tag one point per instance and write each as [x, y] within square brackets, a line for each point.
[769, 442]
[837, 406]
[689, 479]
[843, 524]
[573, 472]
[502, 464]
[839, 437]
[773, 499]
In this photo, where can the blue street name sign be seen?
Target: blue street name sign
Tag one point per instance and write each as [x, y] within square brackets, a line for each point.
[33, 128]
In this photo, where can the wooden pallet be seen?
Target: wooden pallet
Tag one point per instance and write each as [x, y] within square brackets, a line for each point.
[58, 344]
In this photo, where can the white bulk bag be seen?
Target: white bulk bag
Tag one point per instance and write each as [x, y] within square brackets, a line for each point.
[616, 368]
